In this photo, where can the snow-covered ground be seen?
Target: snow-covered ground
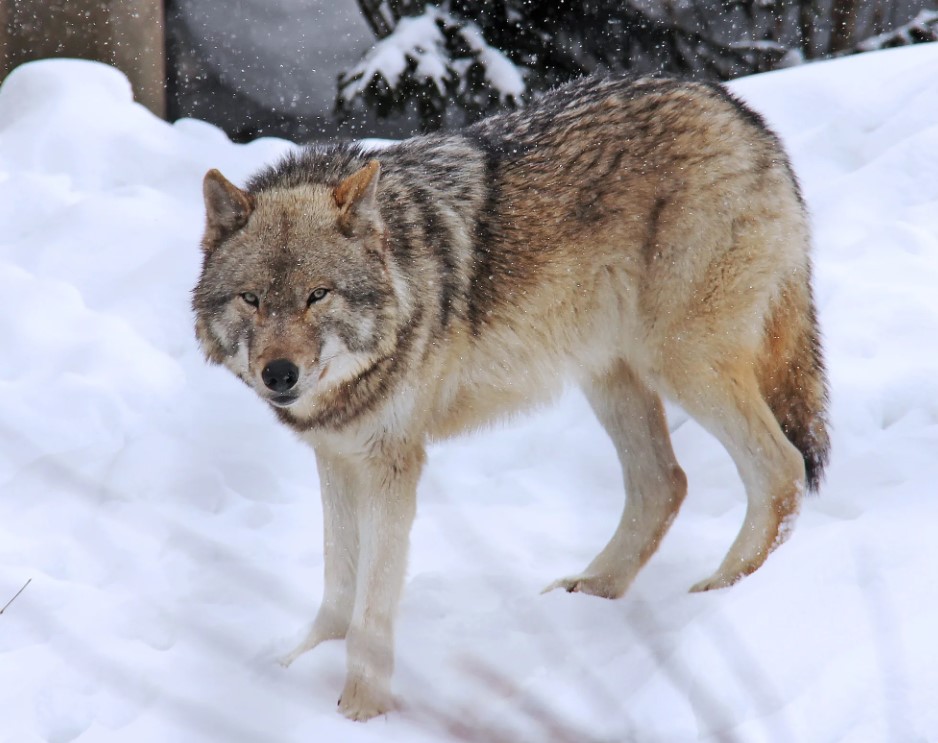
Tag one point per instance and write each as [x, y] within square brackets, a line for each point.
[171, 528]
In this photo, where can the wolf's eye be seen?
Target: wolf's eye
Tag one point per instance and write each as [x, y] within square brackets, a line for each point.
[318, 295]
[250, 298]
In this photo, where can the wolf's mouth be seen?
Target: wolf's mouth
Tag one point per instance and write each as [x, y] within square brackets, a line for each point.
[283, 401]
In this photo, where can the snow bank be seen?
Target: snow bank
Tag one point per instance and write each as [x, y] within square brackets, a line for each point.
[171, 528]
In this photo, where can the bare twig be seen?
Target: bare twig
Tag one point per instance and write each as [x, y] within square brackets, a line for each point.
[375, 17]
[7, 604]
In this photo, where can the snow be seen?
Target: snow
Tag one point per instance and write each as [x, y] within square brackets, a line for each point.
[921, 28]
[420, 41]
[171, 528]
[418, 38]
[500, 72]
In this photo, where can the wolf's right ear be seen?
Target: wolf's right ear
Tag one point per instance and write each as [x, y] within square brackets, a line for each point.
[227, 208]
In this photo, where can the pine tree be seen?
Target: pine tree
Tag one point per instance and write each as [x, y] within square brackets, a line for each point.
[458, 60]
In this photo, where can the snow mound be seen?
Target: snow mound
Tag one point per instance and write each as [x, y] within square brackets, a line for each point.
[171, 529]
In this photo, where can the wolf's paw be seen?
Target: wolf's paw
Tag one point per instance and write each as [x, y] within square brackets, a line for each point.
[595, 585]
[361, 701]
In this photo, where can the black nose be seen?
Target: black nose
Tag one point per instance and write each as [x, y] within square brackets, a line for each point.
[280, 375]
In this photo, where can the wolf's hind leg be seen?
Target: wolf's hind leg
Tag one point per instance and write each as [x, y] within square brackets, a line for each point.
[729, 404]
[340, 555]
[655, 484]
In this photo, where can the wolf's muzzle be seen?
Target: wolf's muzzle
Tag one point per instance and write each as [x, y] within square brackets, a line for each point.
[280, 375]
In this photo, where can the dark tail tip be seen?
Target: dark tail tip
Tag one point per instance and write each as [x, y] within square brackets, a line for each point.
[813, 441]
[815, 462]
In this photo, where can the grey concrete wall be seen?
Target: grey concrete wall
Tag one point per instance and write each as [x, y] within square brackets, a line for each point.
[268, 67]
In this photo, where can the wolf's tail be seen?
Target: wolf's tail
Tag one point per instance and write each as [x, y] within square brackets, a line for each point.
[793, 378]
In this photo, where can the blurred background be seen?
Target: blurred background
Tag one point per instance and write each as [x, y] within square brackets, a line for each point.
[308, 69]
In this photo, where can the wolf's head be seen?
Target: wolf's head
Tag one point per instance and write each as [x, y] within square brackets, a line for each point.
[296, 296]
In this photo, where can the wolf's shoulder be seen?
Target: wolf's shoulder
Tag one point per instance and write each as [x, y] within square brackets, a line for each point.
[613, 99]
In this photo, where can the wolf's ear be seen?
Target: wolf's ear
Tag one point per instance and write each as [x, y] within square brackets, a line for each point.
[357, 195]
[227, 207]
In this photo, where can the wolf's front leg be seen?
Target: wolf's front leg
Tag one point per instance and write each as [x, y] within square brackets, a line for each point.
[386, 508]
[340, 553]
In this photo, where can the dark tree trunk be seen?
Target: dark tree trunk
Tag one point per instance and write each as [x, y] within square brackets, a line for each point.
[843, 25]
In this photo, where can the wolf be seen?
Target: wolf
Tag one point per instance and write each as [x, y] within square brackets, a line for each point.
[644, 238]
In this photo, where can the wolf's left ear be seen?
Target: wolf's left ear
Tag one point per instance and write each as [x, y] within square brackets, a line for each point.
[357, 195]
[227, 208]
